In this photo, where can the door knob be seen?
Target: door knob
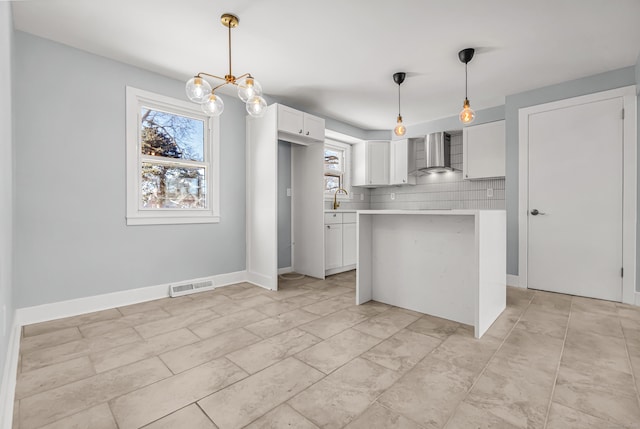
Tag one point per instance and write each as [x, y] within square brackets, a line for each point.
[536, 212]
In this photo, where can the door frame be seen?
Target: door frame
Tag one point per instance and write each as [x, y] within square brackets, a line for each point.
[629, 181]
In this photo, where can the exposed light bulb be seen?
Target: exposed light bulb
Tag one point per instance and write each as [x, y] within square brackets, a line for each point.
[256, 106]
[197, 89]
[400, 129]
[248, 88]
[467, 115]
[213, 106]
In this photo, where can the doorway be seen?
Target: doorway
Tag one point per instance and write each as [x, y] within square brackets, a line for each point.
[577, 183]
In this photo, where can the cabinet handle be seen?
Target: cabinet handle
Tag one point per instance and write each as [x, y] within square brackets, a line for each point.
[300, 132]
[403, 180]
[328, 226]
[307, 132]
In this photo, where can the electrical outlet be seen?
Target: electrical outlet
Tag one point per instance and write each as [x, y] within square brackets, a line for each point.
[361, 197]
[393, 196]
[489, 192]
[288, 192]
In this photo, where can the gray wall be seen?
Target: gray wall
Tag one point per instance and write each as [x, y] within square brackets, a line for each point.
[574, 88]
[284, 204]
[6, 183]
[71, 239]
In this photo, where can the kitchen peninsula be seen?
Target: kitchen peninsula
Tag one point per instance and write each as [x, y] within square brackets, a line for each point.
[446, 263]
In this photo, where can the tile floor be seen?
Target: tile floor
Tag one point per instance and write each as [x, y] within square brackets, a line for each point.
[307, 357]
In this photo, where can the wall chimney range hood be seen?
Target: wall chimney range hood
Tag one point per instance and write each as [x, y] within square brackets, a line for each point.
[433, 153]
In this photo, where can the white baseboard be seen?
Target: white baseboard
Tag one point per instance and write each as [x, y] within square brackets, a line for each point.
[9, 375]
[74, 307]
[285, 270]
[638, 299]
[513, 281]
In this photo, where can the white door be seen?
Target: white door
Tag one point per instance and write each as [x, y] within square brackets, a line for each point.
[575, 200]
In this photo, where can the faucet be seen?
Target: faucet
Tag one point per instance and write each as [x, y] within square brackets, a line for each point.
[336, 204]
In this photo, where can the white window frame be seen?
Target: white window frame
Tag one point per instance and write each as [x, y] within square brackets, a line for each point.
[135, 100]
[346, 178]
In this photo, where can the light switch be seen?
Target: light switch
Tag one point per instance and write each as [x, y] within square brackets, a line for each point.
[393, 196]
[288, 192]
[361, 197]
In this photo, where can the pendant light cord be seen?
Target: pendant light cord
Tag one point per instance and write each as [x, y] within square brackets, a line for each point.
[399, 100]
[230, 49]
[465, 80]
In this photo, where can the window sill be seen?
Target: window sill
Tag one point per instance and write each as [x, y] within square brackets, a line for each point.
[170, 220]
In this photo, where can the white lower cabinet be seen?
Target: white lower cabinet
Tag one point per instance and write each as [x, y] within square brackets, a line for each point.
[339, 242]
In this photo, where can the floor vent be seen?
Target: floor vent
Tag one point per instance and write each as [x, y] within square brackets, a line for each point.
[189, 288]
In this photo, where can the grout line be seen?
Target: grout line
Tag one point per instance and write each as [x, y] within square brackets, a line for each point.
[555, 379]
[633, 376]
[488, 363]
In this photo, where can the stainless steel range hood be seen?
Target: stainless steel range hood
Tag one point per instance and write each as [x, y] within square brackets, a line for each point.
[433, 154]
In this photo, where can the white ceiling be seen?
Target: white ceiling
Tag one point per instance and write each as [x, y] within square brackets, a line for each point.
[337, 57]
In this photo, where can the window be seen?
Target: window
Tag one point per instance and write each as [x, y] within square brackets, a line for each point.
[337, 158]
[172, 161]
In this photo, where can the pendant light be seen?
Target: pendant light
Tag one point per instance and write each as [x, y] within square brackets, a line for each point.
[467, 115]
[249, 90]
[400, 129]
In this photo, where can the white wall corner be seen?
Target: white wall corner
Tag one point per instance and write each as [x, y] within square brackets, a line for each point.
[513, 281]
[9, 375]
[74, 307]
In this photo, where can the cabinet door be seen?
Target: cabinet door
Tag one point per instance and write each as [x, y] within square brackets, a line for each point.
[359, 164]
[483, 148]
[332, 246]
[313, 127]
[399, 162]
[290, 120]
[348, 243]
[378, 162]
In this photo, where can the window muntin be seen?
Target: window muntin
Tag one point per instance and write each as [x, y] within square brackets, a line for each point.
[336, 168]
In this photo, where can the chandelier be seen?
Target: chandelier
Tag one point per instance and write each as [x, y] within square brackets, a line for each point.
[200, 91]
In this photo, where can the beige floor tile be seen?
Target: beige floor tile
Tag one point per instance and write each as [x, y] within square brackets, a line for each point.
[173, 323]
[282, 294]
[434, 326]
[631, 331]
[402, 351]
[561, 417]
[386, 324]
[50, 377]
[607, 394]
[429, 393]
[379, 417]
[54, 404]
[74, 349]
[49, 339]
[286, 305]
[98, 417]
[503, 325]
[587, 351]
[465, 351]
[532, 350]
[517, 297]
[104, 326]
[69, 322]
[282, 417]
[146, 306]
[552, 302]
[539, 321]
[370, 308]
[468, 416]
[257, 301]
[150, 403]
[176, 308]
[248, 399]
[129, 353]
[629, 312]
[225, 323]
[331, 354]
[331, 305]
[593, 306]
[190, 417]
[634, 357]
[275, 325]
[332, 324]
[596, 323]
[516, 393]
[326, 292]
[249, 293]
[258, 356]
[195, 354]
[345, 394]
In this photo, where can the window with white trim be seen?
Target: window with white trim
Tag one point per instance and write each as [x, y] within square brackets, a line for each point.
[172, 161]
[337, 168]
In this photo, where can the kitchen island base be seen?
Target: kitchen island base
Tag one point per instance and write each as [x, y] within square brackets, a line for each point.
[446, 263]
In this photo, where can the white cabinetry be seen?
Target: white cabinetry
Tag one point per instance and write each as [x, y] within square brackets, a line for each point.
[401, 162]
[371, 164]
[483, 148]
[339, 242]
[299, 126]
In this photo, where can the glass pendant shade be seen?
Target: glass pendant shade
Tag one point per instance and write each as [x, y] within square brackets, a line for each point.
[198, 89]
[256, 106]
[467, 115]
[400, 129]
[248, 88]
[214, 106]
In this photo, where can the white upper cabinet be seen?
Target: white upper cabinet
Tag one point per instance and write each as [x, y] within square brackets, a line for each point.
[371, 164]
[483, 148]
[401, 162]
[299, 127]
